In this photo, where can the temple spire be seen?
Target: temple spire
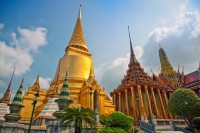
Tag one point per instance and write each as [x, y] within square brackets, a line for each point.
[132, 55]
[91, 71]
[77, 39]
[6, 96]
[18, 96]
[79, 13]
[64, 94]
[165, 64]
[167, 69]
[37, 80]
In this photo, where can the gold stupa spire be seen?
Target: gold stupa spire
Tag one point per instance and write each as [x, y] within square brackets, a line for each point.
[77, 39]
[37, 81]
[166, 68]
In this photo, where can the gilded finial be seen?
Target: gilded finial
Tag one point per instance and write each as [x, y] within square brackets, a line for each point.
[79, 14]
[38, 75]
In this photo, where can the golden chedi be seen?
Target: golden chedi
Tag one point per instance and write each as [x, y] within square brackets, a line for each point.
[84, 89]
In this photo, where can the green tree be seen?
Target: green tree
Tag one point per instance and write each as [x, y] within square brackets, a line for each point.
[111, 130]
[184, 102]
[76, 117]
[117, 120]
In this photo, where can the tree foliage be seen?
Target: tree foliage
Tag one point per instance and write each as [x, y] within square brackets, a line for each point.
[76, 117]
[196, 121]
[117, 120]
[184, 102]
[111, 130]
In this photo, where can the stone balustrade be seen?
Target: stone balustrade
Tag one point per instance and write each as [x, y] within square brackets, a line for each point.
[147, 127]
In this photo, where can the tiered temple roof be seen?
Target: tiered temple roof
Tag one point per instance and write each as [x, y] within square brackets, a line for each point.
[139, 95]
[135, 73]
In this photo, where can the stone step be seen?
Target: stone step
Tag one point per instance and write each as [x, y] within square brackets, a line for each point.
[140, 131]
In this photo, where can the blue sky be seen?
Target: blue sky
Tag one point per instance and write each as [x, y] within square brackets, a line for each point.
[34, 34]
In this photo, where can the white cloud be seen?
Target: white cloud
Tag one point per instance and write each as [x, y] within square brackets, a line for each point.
[181, 41]
[44, 82]
[110, 75]
[19, 55]
[1, 26]
[12, 57]
[2, 84]
[30, 40]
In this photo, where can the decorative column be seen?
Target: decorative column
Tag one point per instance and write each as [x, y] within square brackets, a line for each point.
[143, 113]
[149, 101]
[15, 106]
[126, 96]
[165, 96]
[96, 107]
[63, 101]
[134, 104]
[155, 104]
[120, 107]
[166, 100]
[162, 105]
[114, 99]
[91, 99]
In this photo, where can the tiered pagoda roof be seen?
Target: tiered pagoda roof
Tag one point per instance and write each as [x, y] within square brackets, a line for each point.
[64, 94]
[17, 100]
[135, 73]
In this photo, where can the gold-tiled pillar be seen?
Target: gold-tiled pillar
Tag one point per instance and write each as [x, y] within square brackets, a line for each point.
[166, 100]
[155, 104]
[149, 101]
[162, 105]
[126, 96]
[143, 113]
[120, 107]
[134, 103]
[114, 99]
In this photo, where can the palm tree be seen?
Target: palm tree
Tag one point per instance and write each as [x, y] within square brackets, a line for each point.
[77, 116]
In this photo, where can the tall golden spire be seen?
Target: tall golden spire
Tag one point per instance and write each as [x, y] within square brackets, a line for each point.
[166, 68]
[77, 39]
[132, 55]
[37, 80]
[91, 71]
